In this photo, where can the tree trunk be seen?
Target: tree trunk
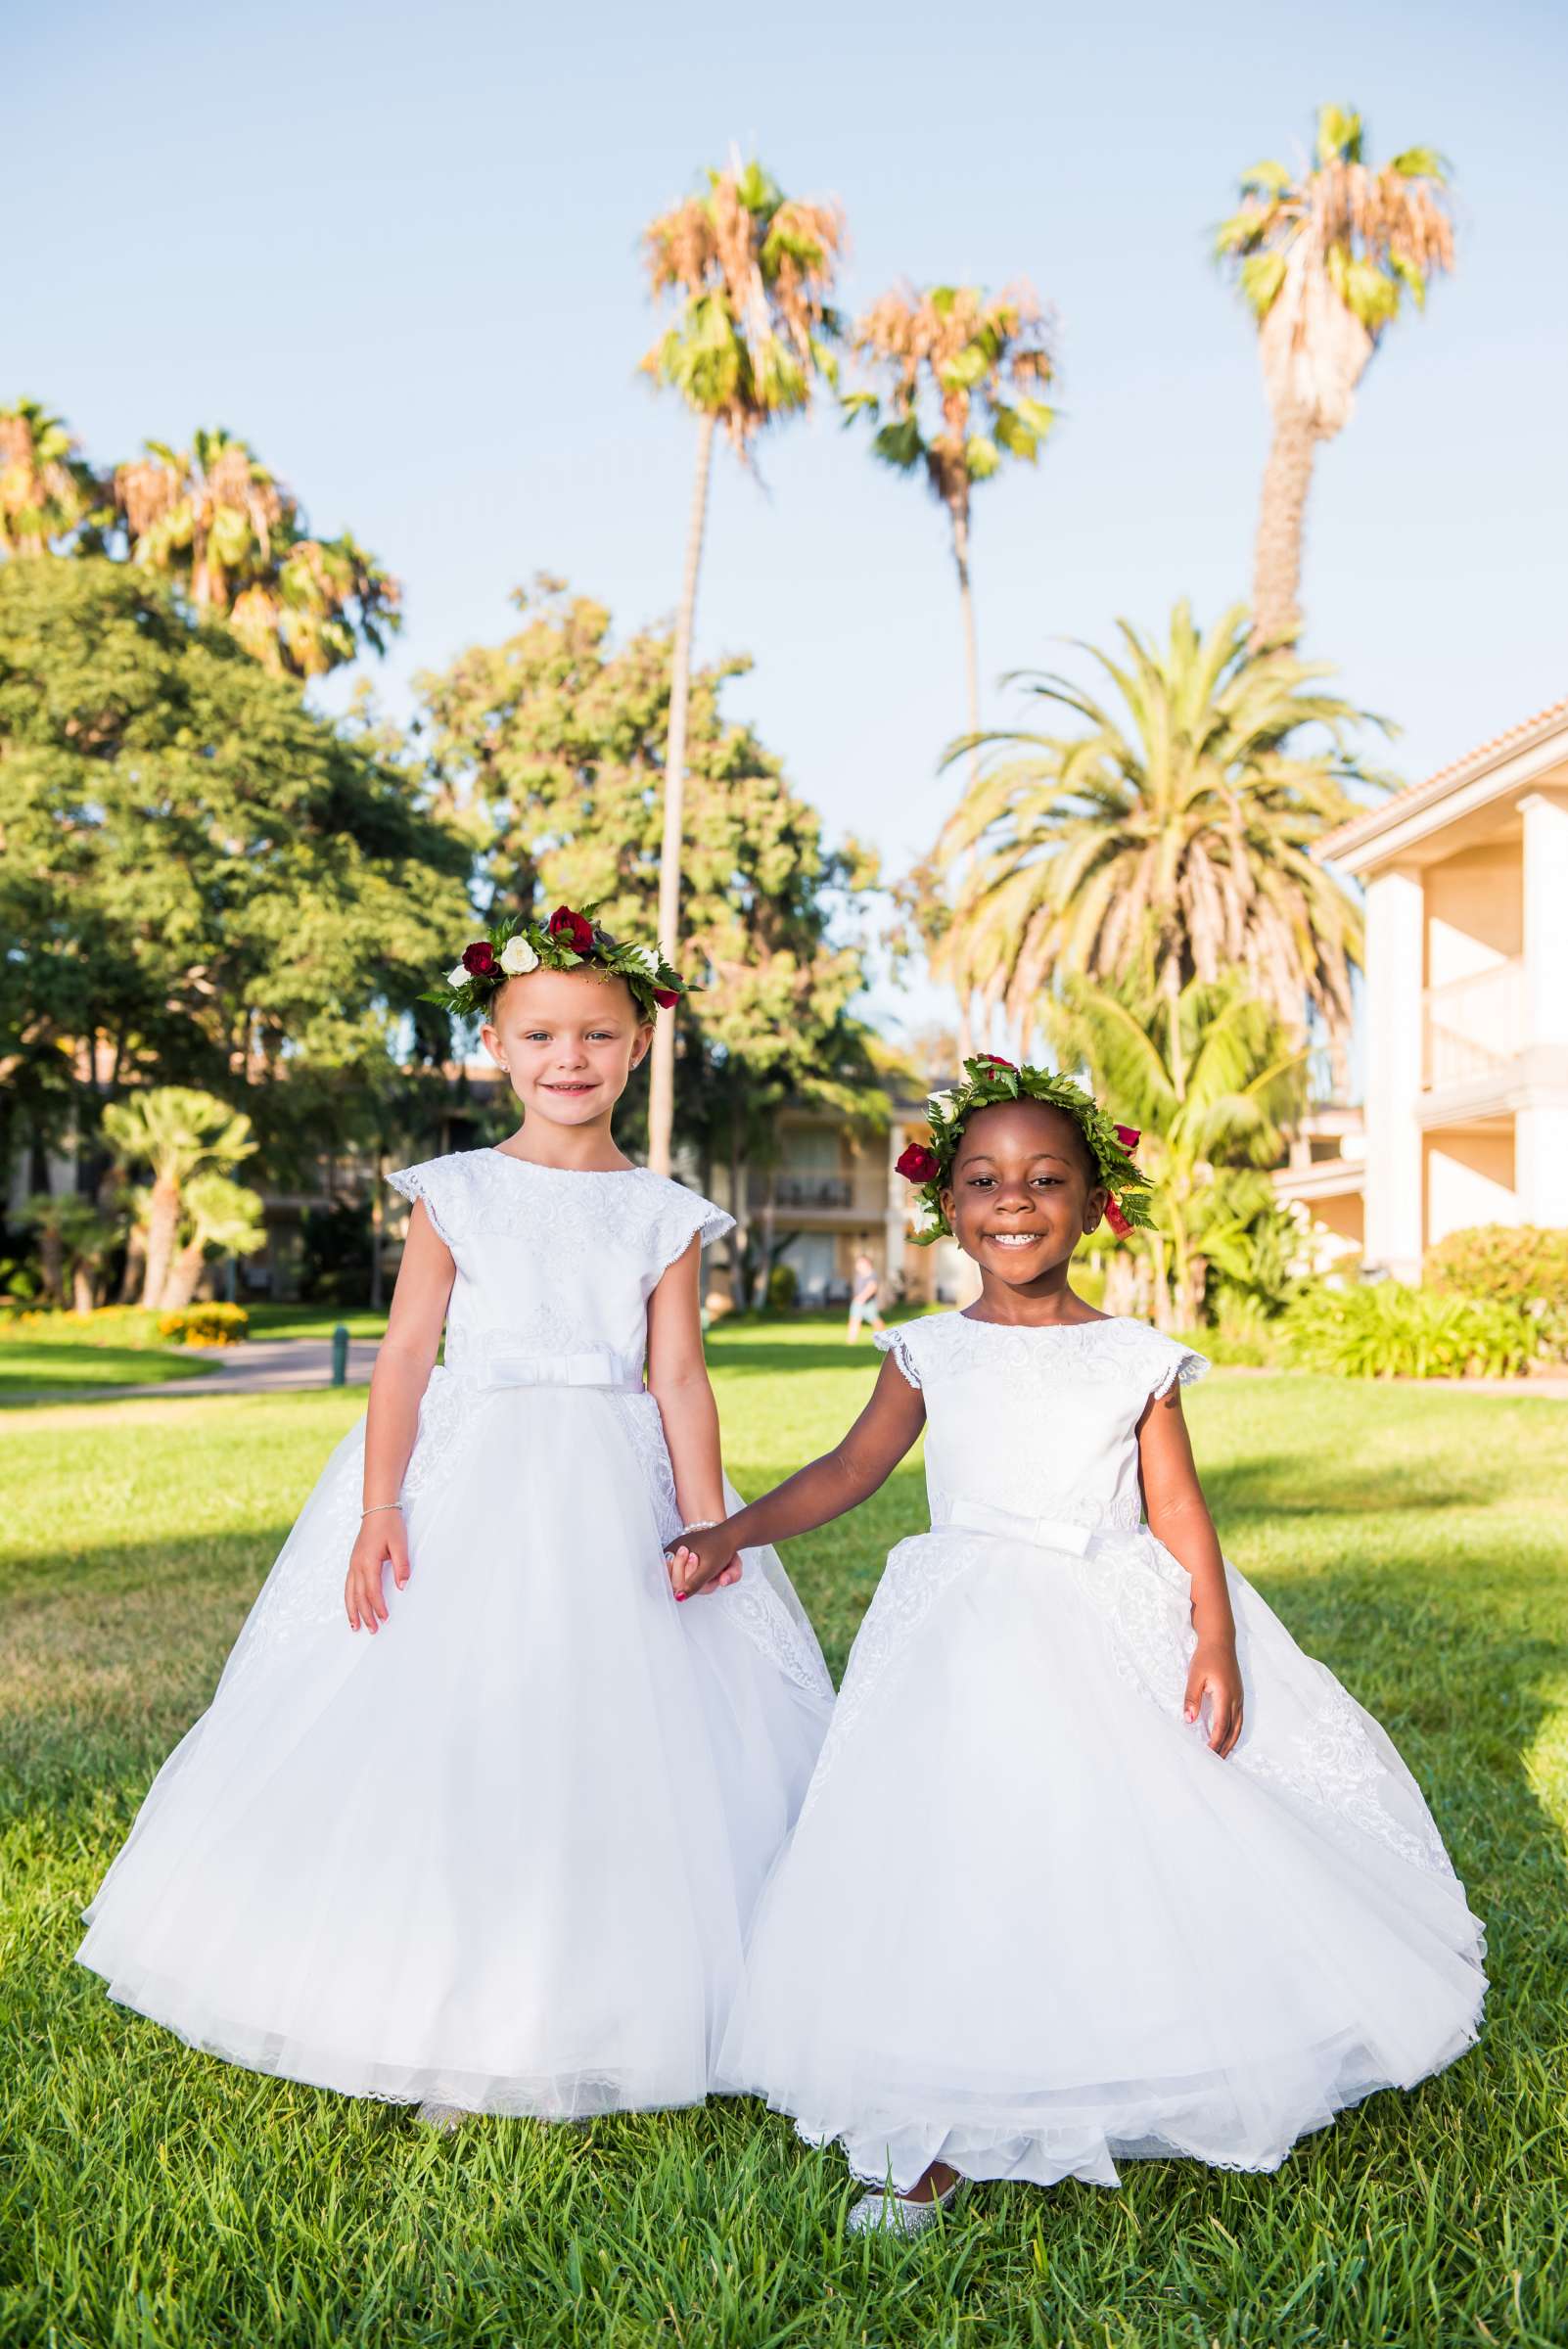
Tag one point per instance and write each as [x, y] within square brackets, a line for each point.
[83, 1298]
[179, 1285]
[737, 1207]
[376, 1218]
[134, 1274]
[1277, 557]
[966, 610]
[662, 1059]
[52, 1264]
[162, 1225]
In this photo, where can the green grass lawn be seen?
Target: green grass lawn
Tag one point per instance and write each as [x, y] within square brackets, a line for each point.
[29, 1366]
[154, 2198]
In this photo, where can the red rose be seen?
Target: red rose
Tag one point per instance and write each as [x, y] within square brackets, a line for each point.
[479, 959]
[575, 927]
[1130, 1137]
[1115, 1219]
[995, 1060]
[665, 998]
[918, 1164]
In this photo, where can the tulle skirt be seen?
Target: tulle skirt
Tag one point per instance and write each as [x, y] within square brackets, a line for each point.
[1028, 1925]
[503, 1854]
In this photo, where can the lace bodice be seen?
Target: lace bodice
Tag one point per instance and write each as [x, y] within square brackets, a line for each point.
[553, 1262]
[1040, 1423]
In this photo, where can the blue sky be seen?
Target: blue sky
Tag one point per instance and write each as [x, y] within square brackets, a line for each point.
[398, 249]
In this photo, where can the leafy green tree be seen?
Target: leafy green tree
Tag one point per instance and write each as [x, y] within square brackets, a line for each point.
[50, 497]
[221, 1218]
[751, 270]
[181, 1135]
[227, 530]
[204, 881]
[73, 1239]
[1168, 839]
[550, 747]
[1211, 1078]
[1323, 259]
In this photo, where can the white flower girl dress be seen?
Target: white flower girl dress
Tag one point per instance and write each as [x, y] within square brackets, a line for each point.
[503, 1854]
[1028, 1923]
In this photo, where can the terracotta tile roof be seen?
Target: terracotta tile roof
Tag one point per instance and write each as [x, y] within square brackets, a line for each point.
[1473, 761]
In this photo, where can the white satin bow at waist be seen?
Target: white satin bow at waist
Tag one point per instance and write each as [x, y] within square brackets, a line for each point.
[492, 1365]
[1040, 1533]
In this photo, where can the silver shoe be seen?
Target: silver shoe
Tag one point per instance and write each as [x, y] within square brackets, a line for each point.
[878, 2213]
[442, 2118]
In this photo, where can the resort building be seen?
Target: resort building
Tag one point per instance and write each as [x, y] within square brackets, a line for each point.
[1466, 1002]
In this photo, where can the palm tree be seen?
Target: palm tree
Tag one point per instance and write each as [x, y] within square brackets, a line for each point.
[753, 271]
[47, 489]
[227, 529]
[222, 1219]
[1323, 260]
[1169, 840]
[1213, 1079]
[962, 375]
[72, 1239]
[181, 1135]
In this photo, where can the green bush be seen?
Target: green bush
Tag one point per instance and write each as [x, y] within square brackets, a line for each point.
[1243, 1334]
[1524, 1265]
[783, 1289]
[1392, 1332]
[209, 1325]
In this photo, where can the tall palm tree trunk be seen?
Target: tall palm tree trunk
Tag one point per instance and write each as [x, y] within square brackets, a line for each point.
[162, 1229]
[966, 608]
[1281, 523]
[661, 1060]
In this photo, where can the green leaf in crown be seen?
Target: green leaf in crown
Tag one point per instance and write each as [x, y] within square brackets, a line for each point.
[567, 942]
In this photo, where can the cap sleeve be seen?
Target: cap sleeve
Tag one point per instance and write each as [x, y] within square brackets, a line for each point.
[431, 1182]
[895, 1342]
[686, 1216]
[1173, 1365]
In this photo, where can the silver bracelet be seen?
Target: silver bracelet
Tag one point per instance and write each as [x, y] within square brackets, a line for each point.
[377, 1507]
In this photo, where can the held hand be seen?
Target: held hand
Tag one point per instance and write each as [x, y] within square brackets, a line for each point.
[1216, 1675]
[382, 1541]
[703, 1556]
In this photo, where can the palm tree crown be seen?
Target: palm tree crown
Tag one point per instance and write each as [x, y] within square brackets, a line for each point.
[48, 490]
[1323, 259]
[215, 519]
[752, 270]
[1167, 841]
[961, 374]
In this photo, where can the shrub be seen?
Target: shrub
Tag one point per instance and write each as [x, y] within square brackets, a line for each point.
[1524, 1265]
[1392, 1332]
[209, 1325]
[783, 1289]
[106, 1325]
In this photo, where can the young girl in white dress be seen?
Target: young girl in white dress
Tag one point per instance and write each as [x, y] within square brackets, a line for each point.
[1095, 1864]
[482, 1827]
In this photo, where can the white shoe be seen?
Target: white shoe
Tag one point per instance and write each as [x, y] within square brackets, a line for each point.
[892, 2214]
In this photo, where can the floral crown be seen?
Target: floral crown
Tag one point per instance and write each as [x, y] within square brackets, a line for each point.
[568, 940]
[988, 1080]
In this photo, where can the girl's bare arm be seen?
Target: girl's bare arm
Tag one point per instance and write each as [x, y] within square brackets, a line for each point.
[814, 1494]
[397, 1383]
[1179, 1516]
[677, 1380]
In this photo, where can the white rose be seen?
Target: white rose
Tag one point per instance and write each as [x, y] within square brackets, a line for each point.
[457, 976]
[942, 1103]
[518, 957]
[646, 959]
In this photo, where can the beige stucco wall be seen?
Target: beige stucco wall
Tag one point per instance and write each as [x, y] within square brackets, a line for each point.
[1474, 910]
[1469, 1179]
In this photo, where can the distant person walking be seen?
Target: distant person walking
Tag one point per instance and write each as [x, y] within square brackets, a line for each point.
[863, 1297]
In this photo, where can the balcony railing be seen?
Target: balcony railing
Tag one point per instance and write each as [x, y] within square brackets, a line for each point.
[820, 1194]
[1475, 1026]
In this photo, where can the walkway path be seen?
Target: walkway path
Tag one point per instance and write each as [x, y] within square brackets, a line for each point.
[260, 1367]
